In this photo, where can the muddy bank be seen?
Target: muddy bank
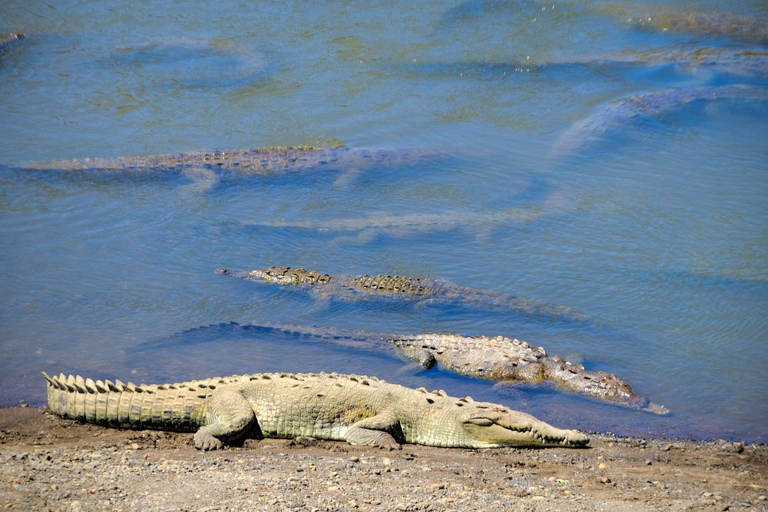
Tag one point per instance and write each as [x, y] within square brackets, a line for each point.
[56, 464]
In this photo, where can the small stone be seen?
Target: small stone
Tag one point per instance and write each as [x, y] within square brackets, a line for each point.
[438, 485]
[649, 463]
[601, 466]
[386, 461]
[667, 447]
[739, 446]
[707, 495]
[401, 506]
[376, 471]
[134, 446]
[605, 480]
[762, 497]
[354, 459]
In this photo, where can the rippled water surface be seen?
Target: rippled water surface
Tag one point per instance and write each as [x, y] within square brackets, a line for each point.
[543, 178]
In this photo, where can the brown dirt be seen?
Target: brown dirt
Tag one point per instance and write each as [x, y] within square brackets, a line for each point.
[56, 464]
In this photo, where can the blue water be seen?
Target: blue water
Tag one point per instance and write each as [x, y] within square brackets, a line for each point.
[653, 225]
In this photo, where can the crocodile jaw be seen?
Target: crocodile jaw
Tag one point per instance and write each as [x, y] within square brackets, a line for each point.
[492, 426]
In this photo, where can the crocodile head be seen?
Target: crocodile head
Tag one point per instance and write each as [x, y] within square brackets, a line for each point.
[280, 275]
[487, 425]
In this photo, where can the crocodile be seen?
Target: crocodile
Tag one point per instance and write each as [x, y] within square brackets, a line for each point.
[10, 38]
[357, 409]
[241, 162]
[742, 62]
[647, 105]
[415, 289]
[501, 359]
[713, 24]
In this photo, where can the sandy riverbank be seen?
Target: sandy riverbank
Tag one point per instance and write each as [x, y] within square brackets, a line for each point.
[49, 462]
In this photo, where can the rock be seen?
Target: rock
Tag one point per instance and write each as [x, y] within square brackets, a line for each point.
[667, 447]
[438, 485]
[605, 480]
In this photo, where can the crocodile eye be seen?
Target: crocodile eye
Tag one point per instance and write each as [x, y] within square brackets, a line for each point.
[480, 422]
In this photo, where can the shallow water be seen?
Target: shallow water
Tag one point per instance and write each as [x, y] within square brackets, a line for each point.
[653, 226]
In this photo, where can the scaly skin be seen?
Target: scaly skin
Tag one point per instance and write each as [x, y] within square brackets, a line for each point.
[500, 359]
[351, 288]
[712, 24]
[10, 38]
[261, 161]
[740, 62]
[504, 359]
[357, 409]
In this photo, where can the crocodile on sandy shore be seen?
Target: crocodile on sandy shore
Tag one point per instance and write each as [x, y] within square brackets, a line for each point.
[357, 409]
[210, 165]
[648, 105]
[414, 289]
[507, 361]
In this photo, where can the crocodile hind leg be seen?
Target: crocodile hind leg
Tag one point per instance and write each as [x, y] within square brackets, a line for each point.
[373, 432]
[229, 417]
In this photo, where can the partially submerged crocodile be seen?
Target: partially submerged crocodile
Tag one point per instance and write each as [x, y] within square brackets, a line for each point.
[648, 105]
[713, 24]
[742, 62]
[257, 162]
[10, 38]
[357, 409]
[351, 288]
[500, 359]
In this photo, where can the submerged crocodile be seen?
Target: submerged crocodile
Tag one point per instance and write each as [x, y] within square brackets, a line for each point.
[420, 223]
[648, 105]
[499, 359]
[257, 162]
[714, 24]
[351, 288]
[357, 409]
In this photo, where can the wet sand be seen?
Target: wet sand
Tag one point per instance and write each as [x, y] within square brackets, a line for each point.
[57, 464]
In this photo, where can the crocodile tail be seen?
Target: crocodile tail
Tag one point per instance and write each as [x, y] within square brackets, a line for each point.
[176, 407]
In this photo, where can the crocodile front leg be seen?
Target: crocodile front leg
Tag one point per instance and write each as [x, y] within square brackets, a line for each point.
[373, 432]
[229, 416]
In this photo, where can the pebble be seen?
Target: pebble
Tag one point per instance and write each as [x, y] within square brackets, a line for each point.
[438, 485]
[605, 480]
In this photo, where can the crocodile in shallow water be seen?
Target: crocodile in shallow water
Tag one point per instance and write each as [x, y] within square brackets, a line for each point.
[420, 223]
[352, 288]
[211, 165]
[10, 38]
[357, 409]
[741, 62]
[713, 24]
[499, 358]
[648, 105]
